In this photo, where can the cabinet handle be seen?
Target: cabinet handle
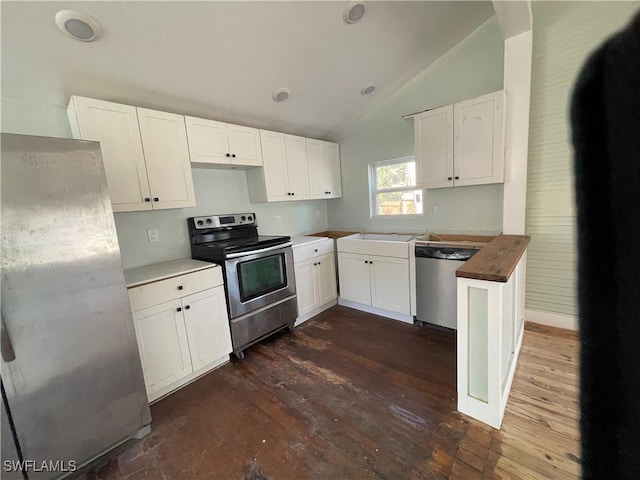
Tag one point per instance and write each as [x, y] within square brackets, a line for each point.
[319, 263]
[233, 155]
[292, 193]
[366, 261]
[457, 178]
[228, 154]
[316, 250]
[370, 262]
[315, 264]
[180, 287]
[187, 307]
[449, 178]
[156, 199]
[179, 309]
[147, 199]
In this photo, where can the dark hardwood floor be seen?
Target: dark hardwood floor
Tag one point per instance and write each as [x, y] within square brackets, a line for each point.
[353, 395]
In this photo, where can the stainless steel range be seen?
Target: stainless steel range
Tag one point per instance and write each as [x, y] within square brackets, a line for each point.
[258, 273]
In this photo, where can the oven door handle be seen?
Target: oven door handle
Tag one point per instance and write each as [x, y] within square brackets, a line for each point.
[261, 250]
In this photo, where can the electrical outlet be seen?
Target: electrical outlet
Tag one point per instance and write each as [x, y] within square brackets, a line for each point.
[317, 213]
[278, 220]
[153, 235]
[433, 211]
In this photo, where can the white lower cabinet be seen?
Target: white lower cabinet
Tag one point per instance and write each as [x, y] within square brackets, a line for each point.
[184, 337]
[381, 282]
[315, 271]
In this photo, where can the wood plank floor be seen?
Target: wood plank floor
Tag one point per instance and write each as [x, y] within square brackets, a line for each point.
[353, 395]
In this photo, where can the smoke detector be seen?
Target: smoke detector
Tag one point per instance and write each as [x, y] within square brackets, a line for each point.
[78, 25]
[353, 12]
[281, 94]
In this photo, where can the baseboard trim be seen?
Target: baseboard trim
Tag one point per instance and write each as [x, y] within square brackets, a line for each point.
[401, 317]
[569, 322]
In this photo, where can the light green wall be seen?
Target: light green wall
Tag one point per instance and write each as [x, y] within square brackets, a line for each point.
[472, 68]
[217, 191]
[564, 33]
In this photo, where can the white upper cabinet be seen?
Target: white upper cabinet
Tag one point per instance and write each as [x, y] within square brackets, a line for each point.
[434, 147]
[324, 169]
[284, 175]
[145, 153]
[479, 140]
[244, 146]
[461, 144]
[219, 143]
[166, 154]
[296, 153]
[115, 126]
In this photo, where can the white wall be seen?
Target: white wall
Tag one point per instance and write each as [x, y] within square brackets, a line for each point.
[217, 191]
[564, 33]
[472, 68]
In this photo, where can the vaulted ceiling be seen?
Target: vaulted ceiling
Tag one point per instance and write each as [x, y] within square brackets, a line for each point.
[223, 60]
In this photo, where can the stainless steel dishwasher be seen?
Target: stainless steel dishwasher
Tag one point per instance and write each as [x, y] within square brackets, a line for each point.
[436, 284]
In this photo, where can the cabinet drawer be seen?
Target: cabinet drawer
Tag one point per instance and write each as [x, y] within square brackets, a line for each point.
[306, 252]
[172, 288]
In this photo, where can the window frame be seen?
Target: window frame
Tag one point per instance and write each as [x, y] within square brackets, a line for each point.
[373, 192]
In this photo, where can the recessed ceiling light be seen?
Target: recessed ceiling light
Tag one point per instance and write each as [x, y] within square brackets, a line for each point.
[353, 12]
[78, 25]
[367, 89]
[281, 94]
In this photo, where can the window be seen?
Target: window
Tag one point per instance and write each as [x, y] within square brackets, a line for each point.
[393, 188]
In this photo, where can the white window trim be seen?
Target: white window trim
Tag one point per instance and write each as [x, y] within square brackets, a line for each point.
[372, 189]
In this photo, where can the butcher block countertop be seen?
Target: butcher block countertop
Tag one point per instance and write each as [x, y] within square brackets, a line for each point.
[497, 261]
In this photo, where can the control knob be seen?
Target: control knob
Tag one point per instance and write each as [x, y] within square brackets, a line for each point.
[200, 223]
[209, 221]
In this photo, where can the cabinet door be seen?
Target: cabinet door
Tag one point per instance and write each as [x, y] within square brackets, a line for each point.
[163, 346]
[434, 147]
[326, 272]
[317, 169]
[296, 148]
[275, 166]
[306, 286]
[479, 140]
[332, 165]
[166, 154]
[390, 283]
[205, 316]
[244, 145]
[115, 126]
[207, 141]
[354, 277]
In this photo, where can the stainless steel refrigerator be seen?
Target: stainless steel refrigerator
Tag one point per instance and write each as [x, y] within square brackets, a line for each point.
[72, 382]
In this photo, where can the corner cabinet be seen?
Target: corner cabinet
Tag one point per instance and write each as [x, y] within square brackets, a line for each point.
[223, 144]
[145, 153]
[181, 327]
[324, 169]
[315, 270]
[461, 144]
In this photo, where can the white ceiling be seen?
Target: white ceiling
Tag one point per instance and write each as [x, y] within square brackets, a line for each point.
[222, 60]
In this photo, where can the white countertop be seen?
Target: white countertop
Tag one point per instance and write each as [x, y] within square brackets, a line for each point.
[305, 240]
[159, 271]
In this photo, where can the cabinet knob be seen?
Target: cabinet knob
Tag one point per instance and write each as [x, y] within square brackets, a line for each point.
[227, 154]
[292, 193]
[449, 178]
[233, 155]
[316, 250]
[156, 199]
[179, 309]
[457, 178]
[366, 261]
[315, 264]
[147, 199]
[180, 287]
[319, 263]
[187, 307]
[370, 262]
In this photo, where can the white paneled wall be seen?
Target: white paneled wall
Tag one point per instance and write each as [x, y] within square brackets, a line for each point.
[564, 33]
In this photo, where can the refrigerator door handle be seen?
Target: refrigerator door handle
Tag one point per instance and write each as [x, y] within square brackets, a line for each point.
[8, 355]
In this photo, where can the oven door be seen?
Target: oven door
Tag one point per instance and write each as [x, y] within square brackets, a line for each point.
[256, 279]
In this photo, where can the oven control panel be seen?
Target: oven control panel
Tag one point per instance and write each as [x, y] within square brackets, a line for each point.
[231, 220]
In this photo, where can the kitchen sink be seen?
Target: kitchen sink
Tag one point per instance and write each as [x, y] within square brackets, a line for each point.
[383, 244]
